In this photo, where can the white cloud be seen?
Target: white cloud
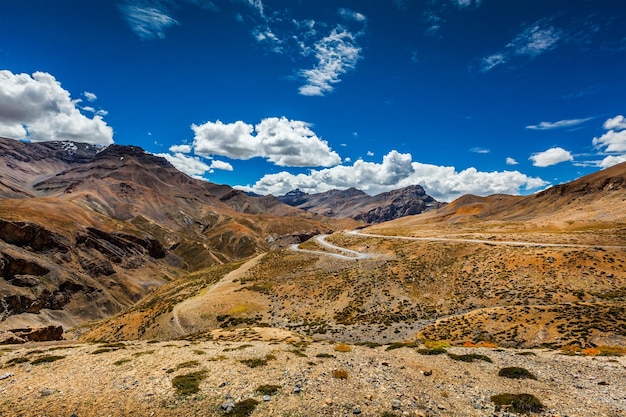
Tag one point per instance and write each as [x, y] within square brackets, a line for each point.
[612, 140]
[281, 141]
[616, 123]
[551, 157]
[193, 165]
[180, 148]
[370, 153]
[336, 54]
[352, 15]
[533, 41]
[38, 109]
[611, 160]
[148, 19]
[536, 40]
[396, 171]
[466, 3]
[511, 161]
[90, 96]
[558, 125]
[190, 165]
[224, 166]
[478, 149]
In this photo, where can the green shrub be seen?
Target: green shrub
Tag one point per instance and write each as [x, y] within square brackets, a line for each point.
[267, 389]
[324, 355]
[433, 351]
[244, 408]
[46, 359]
[15, 361]
[121, 362]
[518, 403]
[470, 357]
[188, 383]
[515, 372]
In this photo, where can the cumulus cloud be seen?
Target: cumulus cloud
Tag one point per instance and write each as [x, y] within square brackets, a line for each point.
[558, 125]
[193, 165]
[352, 15]
[616, 123]
[613, 141]
[533, 41]
[336, 54]
[281, 141]
[37, 108]
[551, 157]
[180, 148]
[511, 161]
[611, 160]
[397, 170]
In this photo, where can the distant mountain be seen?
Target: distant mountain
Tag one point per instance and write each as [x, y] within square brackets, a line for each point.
[594, 198]
[86, 231]
[356, 204]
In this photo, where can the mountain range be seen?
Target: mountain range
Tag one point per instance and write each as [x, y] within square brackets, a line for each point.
[360, 206]
[86, 231]
[118, 244]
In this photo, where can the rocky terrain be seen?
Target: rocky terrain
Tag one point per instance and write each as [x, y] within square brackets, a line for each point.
[179, 297]
[356, 204]
[86, 232]
[269, 373]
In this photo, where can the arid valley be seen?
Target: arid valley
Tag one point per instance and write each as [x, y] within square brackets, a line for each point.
[181, 297]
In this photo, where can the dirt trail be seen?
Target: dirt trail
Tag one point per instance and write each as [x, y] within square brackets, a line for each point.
[191, 309]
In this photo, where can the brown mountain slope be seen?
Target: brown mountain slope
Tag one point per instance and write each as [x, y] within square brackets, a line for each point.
[595, 198]
[86, 231]
[542, 279]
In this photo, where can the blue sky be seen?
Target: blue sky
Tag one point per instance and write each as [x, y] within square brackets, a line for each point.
[460, 96]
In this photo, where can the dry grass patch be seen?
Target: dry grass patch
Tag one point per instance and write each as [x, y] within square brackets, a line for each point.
[342, 347]
[340, 374]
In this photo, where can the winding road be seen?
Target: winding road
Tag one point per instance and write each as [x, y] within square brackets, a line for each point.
[349, 254]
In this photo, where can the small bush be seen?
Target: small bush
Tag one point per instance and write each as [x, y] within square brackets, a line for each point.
[433, 351]
[121, 362]
[46, 359]
[526, 354]
[189, 383]
[15, 361]
[340, 374]
[398, 345]
[244, 408]
[515, 372]
[145, 352]
[256, 362]
[518, 403]
[342, 347]
[267, 389]
[102, 350]
[188, 364]
[471, 357]
[324, 355]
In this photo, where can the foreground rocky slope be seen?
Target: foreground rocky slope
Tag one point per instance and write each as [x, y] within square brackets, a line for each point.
[356, 204]
[260, 372]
